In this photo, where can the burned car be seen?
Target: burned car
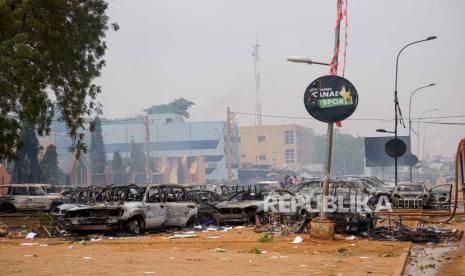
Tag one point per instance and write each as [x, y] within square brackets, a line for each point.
[410, 195]
[417, 195]
[134, 209]
[349, 214]
[207, 213]
[241, 207]
[27, 197]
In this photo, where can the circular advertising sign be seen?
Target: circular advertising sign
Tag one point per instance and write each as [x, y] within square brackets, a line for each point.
[331, 99]
[395, 147]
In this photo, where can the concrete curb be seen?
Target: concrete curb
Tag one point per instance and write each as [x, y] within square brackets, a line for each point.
[404, 257]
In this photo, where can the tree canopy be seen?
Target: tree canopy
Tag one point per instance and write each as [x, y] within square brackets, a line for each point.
[49, 47]
[137, 157]
[26, 168]
[177, 106]
[49, 166]
[348, 153]
[97, 149]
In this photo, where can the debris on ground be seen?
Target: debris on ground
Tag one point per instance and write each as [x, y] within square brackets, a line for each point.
[298, 240]
[420, 234]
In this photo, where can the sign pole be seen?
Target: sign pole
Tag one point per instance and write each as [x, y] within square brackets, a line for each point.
[329, 133]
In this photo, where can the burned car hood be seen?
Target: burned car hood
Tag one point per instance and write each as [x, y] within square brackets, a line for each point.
[239, 204]
[411, 194]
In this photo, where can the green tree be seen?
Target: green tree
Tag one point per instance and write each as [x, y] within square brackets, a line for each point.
[49, 166]
[348, 153]
[117, 168]
[177, 106]
[97, 149]
[49, 46]
[26, 166]
[137, 157]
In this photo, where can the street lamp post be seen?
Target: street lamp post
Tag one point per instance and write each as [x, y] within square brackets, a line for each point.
[418, 129]
[396, 100]
[410, 122]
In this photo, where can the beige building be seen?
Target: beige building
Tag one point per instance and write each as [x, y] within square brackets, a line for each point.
[278, 146]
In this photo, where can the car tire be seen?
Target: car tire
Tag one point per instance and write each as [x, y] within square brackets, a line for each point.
[7, 208]
[136, 226]
[53, 205]
[192, 221]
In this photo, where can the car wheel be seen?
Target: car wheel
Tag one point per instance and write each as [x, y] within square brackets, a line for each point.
[53, 205]
[7, 208]
[136, 226]
[191, 222]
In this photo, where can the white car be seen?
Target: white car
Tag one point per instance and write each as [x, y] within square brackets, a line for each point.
[27, 197]
[132, 208]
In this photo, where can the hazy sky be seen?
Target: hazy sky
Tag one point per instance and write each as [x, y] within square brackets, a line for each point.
[201, 50]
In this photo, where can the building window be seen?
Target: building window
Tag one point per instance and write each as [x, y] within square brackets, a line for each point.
[261, 139]
[262, 157]
[289, 137]
[290, 156]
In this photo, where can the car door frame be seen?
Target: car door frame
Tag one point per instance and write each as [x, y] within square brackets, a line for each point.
[37, 202]
[179, 211]
[156, 213]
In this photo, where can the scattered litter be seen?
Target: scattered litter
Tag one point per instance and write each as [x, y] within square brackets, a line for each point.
[211, 228]
[99, 239]
[363, 257]
[87, 258]
[83, 243]
[274, 257]
[28, 243]
[31, 235]
[219, 250]
[226, 229]
[213, 237]
[30, 255]
[239, 227]
[149, 272]
[264, 252]
[71, 247]
[43, 245]
[183, 236]
[351, 238]
[198, 227]
[297, 240]
[303, 265]
[283, 257]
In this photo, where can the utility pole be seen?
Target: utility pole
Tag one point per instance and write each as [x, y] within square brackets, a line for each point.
[258, 105]
[228, 145]
[147, 155]
[329, 133]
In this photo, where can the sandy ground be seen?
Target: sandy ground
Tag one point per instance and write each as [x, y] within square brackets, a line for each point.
[454, 261]
[156, 254]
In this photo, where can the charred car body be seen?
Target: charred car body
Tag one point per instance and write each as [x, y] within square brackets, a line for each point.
[27, 197]
[349, 214]
[417, 195]
[132, 208]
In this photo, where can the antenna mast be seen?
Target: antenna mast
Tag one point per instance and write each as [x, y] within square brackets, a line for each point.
[258, 105]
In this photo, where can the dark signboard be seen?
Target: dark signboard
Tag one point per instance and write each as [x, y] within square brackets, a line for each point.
[330, 99]
[375, 154]
[395, 148]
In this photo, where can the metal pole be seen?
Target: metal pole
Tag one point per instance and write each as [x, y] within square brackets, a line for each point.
[410, 124]
[396, 100]
[329, 134]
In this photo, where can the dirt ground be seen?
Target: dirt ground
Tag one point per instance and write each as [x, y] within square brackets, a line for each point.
[455, 260]
[210, 253]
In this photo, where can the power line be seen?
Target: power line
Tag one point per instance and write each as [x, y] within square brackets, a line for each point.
[362, 119]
